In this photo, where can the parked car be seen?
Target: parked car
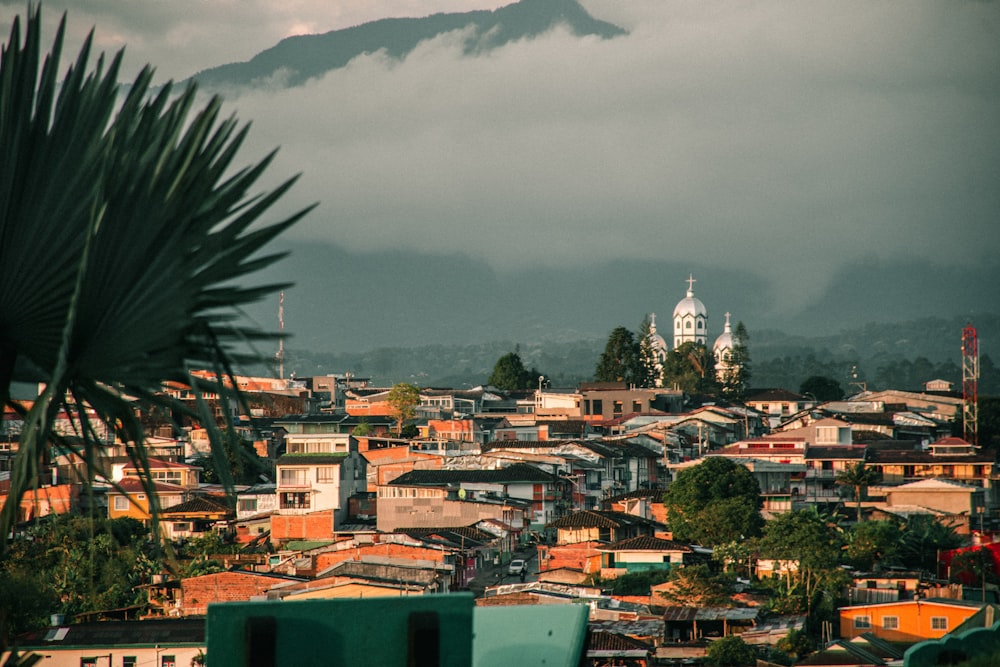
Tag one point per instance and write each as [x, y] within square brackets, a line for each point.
[517, 566]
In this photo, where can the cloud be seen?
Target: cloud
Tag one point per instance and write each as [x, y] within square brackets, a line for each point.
[783, 139]
[786, 139]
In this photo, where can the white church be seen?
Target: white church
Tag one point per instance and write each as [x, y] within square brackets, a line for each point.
[691, 326]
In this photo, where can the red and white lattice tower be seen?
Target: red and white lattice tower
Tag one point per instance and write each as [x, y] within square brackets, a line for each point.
[970, 385]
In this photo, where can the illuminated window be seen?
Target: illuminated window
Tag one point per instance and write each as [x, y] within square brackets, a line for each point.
[168, 661]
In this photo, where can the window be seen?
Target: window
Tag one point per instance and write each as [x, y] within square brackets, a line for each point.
[862, 622]
[293, 477]
[121, 503]
[636, 406]
[701, 325]
[890, 622]
[128, 661]
[247, 505]
[88, 662]
[326, 474]
[598, 407]
[618, 407]
[586, 407]
[168, 661]
[939, 623]
[295, 501]
[687, 325]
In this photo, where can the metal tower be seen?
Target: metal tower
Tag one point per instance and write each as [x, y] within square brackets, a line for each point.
[281, 336]
[970, 385]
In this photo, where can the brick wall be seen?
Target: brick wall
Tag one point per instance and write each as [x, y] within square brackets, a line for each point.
[312, 526]
[198, 592]
[327, 559]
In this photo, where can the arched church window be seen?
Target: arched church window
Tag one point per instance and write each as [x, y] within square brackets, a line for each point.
[677, 325]
[687, 325]
[700, 324]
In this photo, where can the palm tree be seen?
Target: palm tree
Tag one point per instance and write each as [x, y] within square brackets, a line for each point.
[123, 230]
[859, 477]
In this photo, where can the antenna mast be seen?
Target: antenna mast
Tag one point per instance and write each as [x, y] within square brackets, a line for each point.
[970, 385]
[281, 336]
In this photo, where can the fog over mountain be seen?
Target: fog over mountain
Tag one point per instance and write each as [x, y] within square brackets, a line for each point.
[553, 169]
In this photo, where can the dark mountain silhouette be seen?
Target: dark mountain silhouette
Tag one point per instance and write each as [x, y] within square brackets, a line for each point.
[296, 59]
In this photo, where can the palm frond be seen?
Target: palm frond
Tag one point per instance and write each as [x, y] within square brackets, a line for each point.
[125, 229]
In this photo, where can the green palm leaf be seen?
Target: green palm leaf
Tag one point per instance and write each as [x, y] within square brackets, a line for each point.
[124, 228]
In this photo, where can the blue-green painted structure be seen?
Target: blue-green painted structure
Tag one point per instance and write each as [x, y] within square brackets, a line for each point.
[418, 631]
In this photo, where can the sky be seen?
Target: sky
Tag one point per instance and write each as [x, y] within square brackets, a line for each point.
[782, 138]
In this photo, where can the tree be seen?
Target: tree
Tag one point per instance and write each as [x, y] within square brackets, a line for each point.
[697, 586]
[810, 548]
[821, 388]
[714, 502]
[621, 360]
[690, 368]
[649, 370]
[123, 238]
[241, 462]
[403, 399]
[510, 374]
[923, 537]
[737, 379]
[731, 651]
[858, 477]
[871, 544]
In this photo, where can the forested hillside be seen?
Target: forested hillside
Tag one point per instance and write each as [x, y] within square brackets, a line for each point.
[901, 355]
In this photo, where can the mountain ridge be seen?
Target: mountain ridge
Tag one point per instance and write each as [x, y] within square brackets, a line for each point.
[299, 58]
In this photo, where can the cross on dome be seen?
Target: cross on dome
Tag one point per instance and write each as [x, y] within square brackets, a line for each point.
[691, 281]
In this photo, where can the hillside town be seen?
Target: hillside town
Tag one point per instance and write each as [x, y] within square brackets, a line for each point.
[605, 495]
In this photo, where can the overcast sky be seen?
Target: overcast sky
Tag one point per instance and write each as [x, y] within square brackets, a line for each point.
[784, 137]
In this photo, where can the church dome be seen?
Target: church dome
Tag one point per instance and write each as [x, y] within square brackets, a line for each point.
[690, 305]
[690, 319]
[725, 340]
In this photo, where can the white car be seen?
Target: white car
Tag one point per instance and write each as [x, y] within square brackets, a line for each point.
[517, 566]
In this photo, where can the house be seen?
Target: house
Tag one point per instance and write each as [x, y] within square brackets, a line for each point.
[642, 554]
[942, 495]
[160, 470]
[176, 642]
[603, 526]
[130, 498]
[195, 517]
[778, 404]
[314, 489]
[372, 576]
[546, 493]
[685, 624]
[906, 620]
[430, 505]
[889, 586]
[43, 501]
[609, 648]
[388, 463]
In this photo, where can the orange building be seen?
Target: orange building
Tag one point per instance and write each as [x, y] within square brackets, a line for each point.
[43, 501]
[906, 621]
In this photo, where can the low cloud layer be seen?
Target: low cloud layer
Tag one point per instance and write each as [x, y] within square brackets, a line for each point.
[781, 139]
